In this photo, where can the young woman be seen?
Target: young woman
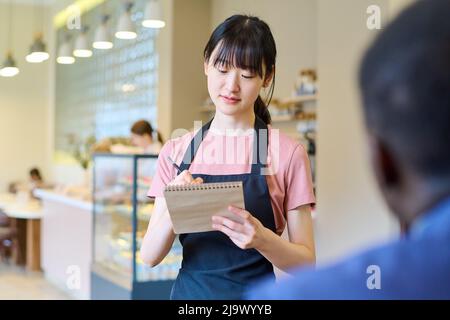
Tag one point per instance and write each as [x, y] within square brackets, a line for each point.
[142, 135]
[239, 63]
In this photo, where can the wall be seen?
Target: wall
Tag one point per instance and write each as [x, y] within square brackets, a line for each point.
[191, 21]
[294, 27]
[24, 117]
[395, 6]
[164, 47]
[351, 212]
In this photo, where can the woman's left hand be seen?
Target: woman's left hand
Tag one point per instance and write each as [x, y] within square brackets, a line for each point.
[246, 235]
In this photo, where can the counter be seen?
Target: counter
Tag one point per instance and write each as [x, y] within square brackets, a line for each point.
[66, 242]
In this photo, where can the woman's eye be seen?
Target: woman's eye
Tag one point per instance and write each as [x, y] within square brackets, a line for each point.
[221, 68]
[248, 76]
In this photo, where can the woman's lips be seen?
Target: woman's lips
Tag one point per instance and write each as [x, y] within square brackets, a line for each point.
[230, 100]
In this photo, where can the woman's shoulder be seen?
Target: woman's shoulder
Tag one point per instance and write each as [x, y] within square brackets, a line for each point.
[177, 142]
[283, 141]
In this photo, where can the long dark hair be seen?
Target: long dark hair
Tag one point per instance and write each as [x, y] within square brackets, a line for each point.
[246, 42]
[142, 127]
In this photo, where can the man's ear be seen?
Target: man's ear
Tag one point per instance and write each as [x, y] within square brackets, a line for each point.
[383, 162]
[389, 176]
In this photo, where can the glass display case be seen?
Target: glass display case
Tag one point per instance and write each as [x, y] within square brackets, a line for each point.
[121, 214]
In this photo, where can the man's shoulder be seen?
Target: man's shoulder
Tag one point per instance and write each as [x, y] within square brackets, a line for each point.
[397, 270]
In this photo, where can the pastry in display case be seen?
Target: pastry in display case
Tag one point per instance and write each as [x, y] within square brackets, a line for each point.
[122, 211]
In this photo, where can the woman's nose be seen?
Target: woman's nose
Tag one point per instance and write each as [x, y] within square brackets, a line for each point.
[232, 82]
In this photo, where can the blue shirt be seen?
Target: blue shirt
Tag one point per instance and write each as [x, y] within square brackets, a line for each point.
[414, 267]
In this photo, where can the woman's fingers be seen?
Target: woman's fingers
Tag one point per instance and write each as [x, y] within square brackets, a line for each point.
[197, 180]
[233, 225]
[228, 231]
[185, 178]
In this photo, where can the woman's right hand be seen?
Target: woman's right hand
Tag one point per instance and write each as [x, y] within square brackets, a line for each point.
[185, 178]
[160, 236]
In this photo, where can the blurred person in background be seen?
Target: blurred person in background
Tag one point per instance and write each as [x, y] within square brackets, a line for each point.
[35, 181]
[144, 136]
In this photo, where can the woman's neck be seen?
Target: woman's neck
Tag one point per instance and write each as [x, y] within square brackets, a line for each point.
[148, 142]
[223, 122]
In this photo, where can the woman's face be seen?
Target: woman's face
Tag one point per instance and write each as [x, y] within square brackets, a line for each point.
[140, 141]
[233, 90]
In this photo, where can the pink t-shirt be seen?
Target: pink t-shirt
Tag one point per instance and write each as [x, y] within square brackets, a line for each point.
[289, 180]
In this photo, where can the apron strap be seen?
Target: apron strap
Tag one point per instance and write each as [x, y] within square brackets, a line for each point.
[260, 146]
[194, 145]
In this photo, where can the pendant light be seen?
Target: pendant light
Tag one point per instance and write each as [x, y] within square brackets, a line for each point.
[38, 52]
[82, 48]
[65, 52]
[9, 67]
[102, 36]
[153, 15]
[126, 28]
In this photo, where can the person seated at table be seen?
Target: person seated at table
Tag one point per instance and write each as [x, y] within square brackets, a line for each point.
[35, 181]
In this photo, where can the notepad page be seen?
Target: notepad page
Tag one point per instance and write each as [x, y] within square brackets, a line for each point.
[191, 207]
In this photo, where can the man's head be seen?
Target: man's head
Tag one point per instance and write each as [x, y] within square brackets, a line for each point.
[405, 85]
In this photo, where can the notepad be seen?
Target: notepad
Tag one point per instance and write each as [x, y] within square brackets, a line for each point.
[191, 207]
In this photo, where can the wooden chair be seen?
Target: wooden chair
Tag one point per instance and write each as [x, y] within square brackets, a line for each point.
[7, 237]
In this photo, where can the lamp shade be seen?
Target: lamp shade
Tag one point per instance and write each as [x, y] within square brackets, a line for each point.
[153, 15]
[126, 28]
[82, 48]
[65, 54]
[102, 38]
[38, 52]
[9, 68]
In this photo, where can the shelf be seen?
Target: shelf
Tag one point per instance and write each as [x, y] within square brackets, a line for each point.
[115, 275]
[140, 217]
[123, 212]
[292, 117]
[298, 99]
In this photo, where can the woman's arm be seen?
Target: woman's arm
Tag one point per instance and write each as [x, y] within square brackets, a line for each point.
[159, 237]
[284, 254]
[300, 249]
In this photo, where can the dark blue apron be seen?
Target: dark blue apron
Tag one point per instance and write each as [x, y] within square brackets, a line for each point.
[213, 266]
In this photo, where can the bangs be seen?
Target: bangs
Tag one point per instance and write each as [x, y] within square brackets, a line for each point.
[240, 52]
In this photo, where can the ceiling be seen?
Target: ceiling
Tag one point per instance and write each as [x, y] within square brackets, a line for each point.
[32, 2]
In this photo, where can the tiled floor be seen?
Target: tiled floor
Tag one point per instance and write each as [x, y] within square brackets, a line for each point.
[18, 284]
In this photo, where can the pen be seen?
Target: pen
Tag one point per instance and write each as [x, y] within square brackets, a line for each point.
[174, 164]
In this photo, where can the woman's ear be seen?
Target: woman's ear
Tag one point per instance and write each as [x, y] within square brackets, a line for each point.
[205, 66]
[269, 78]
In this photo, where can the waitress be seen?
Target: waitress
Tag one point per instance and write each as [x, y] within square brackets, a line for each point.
[144, 136]
[239, 63]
